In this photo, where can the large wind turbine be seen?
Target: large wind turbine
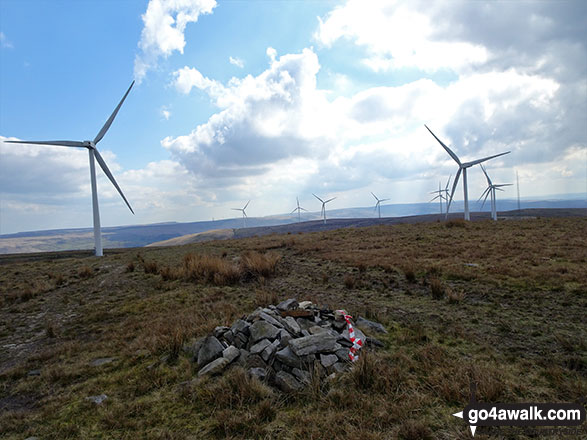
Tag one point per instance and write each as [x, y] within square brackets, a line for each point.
[93, 153]
[323, 212]
[462, 169]
[299, 208]
[244, 213]
[378, 204]
[491, 187]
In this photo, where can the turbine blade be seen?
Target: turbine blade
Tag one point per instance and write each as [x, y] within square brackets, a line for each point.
[329, 200]
[247, 205]
[318, 197]
[108, 123]
[303, 209]
[245, 214]
[374, 196]
[448, 150]
[111, 177]
[475, 162]
[454, 186]
[486, 175]
[435, 198]
[503, 184]
[384, 200]
[295, 209]
[236, 209]
[483, 193]
[485, 199]
[448, 183]
[60, 143]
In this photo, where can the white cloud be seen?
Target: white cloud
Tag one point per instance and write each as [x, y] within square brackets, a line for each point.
[396, 35]
[236, 62]
[165, 112]
[4, 42]
[165, 22]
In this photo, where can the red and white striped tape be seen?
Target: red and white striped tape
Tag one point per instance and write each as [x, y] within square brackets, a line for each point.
[357, 343]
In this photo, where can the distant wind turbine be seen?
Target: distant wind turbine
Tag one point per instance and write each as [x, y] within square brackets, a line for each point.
[462, 169]
[244, 213]
[440, 196]
[93, 153]
[323, 212]
[491, 187]
[299, 208]
[378, 204]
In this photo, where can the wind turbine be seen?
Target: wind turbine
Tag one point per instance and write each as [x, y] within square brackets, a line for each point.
[244, 213]
[462, 169]
[93, 153]
[440, 196]
[323, 212]
[378, 204]
[299, 208]
[491, 187]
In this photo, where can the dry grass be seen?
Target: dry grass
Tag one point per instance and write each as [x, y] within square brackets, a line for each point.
[518, 332]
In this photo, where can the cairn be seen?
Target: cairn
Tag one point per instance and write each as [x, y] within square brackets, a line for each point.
[285, 345]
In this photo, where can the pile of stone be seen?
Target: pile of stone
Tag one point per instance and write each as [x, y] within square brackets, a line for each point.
[283, 345]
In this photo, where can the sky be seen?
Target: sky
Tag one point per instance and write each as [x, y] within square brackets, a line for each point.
[272, 100]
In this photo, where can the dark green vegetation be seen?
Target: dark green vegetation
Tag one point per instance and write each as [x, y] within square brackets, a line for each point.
[500, 303]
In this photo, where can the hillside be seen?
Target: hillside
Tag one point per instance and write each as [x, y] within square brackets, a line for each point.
[500, 303]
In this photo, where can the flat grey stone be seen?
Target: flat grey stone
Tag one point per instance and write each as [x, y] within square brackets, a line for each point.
[328, 359]
[270, 319]
[342, 354]
[219, 331]
[270, 350]
[240, 340]
[34, 373]
[305, 332]
[211, 349]
[358, 334]
[288, 304]
[365, 324]
[259, 373]
[284, 338]
[292, 326]
[101, 361]
[340, 367]
[193, 347]
[214, 367]
[287, 357]
[241, 326]
[228, 336]
[97, 399]
[231, 353]
[260, 346]
[312, 344]
[305, 304]
[375, 342]
[302, 375]
[263, 330]
[287, 383]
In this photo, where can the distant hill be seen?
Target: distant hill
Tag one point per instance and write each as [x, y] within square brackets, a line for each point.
[143, 235]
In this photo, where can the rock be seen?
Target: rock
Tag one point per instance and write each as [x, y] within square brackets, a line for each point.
[270, 319]
[211, 349]
[260, 346]
[365, 324]
[302, 375]
[193, 347]
[291, 325]
[374, 342]
[312, 344]
[241, 326]
[231, 353]
[228, 337]
[358, 334]
[340, 367]
[304, 304]
[305, 332]
[339, 315]
[284, 338]
[240, 340]
[34, 373]
[339, 325]
[287, 357]
[342, 354]
[270, 350]
[219, 331]
[214, 367]
[263, 330]
[328, 359]
[286, 382]
[288, 304]
[97, 399]
[304, 323]
[259, 373]
[101, 361]
[254, 360]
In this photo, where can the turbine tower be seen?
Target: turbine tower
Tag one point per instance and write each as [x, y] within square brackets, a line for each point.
[491, 187]
[299, 208]
[378, 204]
[93, 154]
[462, 169]
[323, 212]
[244, 213]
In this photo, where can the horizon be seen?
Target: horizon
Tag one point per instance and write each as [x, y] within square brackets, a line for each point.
[320, 97]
